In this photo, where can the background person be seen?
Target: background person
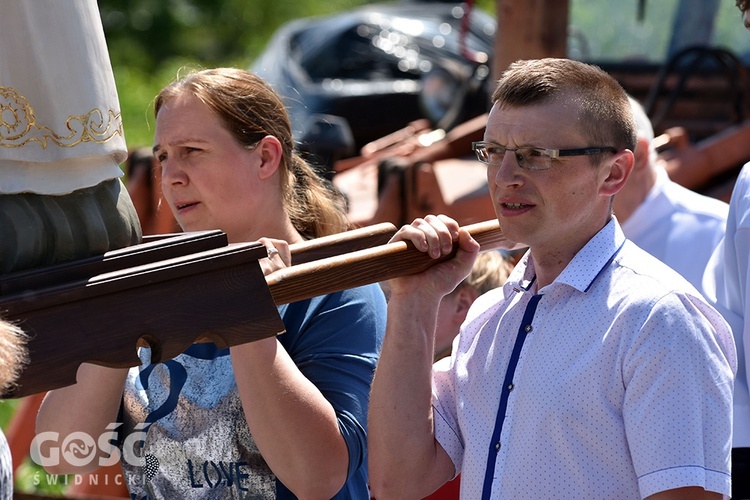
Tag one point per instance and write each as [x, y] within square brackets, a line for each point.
[281, 417]
[596, 370]
[674, 224]
[144, 186]
[726, 284]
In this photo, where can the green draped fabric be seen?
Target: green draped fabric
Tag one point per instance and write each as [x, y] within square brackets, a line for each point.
[39, 230]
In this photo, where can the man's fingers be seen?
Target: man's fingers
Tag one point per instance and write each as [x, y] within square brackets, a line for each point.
[434, 234]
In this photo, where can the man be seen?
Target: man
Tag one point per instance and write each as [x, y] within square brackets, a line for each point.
[674, 224]
[596, 371]
[726, 284]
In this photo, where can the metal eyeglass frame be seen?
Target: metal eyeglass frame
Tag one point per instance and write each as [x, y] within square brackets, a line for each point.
[480, 147]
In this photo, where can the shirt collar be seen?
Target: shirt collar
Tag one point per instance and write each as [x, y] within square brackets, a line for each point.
[582, 271]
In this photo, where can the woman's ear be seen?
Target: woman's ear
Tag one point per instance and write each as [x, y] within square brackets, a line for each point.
[620, 167]
[269, 151]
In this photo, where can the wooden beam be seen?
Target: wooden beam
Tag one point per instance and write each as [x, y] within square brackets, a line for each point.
[529, 29]
[219, 295]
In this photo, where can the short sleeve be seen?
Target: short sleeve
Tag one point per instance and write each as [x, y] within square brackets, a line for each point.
[677, 411]
[447, 431]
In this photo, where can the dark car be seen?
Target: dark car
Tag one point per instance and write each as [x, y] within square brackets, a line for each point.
[356, 76]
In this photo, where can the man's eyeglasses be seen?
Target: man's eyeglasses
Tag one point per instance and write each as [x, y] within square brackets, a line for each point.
[530, 158]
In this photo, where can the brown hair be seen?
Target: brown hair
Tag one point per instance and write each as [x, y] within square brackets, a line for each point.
[604, 112]
[742, 5]
[250, 109]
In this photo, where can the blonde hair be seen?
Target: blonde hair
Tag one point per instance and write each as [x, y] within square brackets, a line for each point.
[491, 270]
[250, 110]
[13, 354]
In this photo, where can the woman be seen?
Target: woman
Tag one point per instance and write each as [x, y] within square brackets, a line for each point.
[275, 418]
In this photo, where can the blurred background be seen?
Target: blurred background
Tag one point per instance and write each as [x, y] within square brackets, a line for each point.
[352, 72]
[150, 40]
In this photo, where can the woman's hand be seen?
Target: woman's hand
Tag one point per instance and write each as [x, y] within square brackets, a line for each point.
[279, 255]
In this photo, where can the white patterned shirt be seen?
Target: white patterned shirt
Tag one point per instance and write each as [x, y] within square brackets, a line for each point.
[614, 381]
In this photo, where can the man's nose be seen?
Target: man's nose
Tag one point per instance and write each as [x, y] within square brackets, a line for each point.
[508, 170]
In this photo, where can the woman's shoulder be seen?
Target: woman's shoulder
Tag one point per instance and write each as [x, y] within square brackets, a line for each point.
[369, 296]
[336, 316]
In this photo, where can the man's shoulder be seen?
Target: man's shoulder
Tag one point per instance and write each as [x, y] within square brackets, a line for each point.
[688, 201]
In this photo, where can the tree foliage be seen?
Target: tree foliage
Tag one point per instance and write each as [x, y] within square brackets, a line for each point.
[150, 40]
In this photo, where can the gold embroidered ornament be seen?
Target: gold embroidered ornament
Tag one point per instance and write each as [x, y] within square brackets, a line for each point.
[18, 125]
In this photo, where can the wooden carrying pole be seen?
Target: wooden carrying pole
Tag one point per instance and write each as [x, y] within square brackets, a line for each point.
[370, 265]
[218, 294]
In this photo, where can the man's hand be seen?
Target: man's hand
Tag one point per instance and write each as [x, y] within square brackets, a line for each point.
[435, 235]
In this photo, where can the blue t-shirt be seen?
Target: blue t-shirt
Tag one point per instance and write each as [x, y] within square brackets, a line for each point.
[196, 442]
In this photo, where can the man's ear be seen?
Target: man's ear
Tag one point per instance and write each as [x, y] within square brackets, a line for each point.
[642, 154]
[617, 172]
[269, 151]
